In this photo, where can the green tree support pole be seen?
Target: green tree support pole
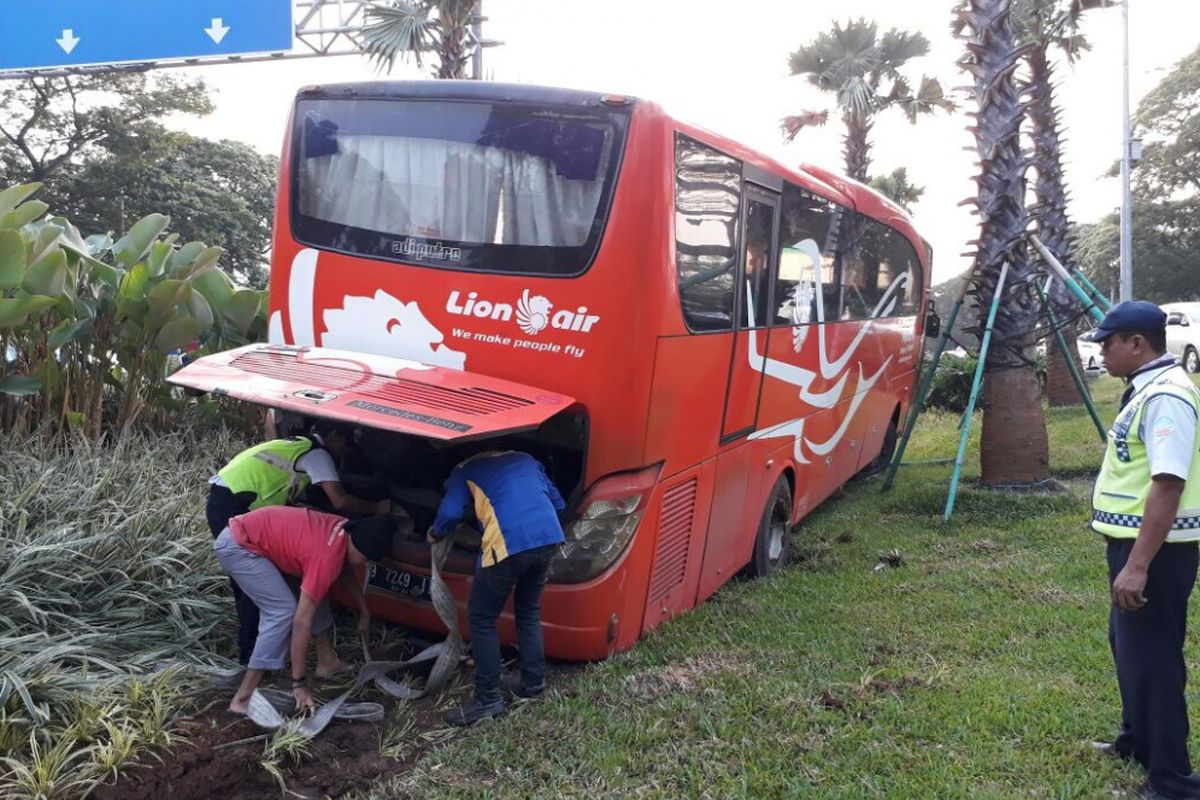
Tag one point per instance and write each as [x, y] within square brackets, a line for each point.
[1069, 358]
[914, 410]
[1100, 299]
[975, 386]
[1089, 303]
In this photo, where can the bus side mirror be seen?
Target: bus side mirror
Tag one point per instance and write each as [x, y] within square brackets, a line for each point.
[933, 323]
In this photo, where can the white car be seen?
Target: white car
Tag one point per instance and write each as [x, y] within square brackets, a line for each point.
[1183, 333]
[1089, 355]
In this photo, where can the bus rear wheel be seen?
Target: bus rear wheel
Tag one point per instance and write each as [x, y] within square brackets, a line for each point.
[773, 543]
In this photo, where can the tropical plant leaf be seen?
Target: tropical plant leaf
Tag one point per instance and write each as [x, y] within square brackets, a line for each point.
[199, 307]
[156, 263]
[69, 331]
[177, 334]
[15, 310]
[13, 196]
[12, 259]
[47, 236]
[397, 30]
[205, 258]
[242, 309]
[19, 385]
[47, 275]
[133, 246]
[24, 214]
[215, 285]
[183, 258]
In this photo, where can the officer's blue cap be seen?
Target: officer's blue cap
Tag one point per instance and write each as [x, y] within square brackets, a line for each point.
[1132, 315]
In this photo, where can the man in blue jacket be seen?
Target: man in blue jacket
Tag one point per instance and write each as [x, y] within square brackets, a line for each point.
[516, 507]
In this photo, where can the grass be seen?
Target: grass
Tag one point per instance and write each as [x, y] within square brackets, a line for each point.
[900, 656]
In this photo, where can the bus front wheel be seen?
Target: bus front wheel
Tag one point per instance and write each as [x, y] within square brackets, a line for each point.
[774, 540]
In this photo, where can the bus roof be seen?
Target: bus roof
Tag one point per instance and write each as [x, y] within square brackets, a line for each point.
[466, 90]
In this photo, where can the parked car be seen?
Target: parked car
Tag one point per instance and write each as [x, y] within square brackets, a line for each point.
[1089, 354]
[1183, 333]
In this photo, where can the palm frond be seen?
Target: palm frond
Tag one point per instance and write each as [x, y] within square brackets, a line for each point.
[792, 125]
[396, 30]
[857, 97]
[897, 47]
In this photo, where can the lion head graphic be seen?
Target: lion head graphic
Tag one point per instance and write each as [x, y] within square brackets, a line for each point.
[533, 313]
[387, 326]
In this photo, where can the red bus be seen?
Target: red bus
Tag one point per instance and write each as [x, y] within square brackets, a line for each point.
[699, 343]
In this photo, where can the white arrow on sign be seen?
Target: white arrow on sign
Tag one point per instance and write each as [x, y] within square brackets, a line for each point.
[68, 40]
[217, 31]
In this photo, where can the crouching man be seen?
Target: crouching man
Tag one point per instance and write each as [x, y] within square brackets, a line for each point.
[258, 548]
[515, 505]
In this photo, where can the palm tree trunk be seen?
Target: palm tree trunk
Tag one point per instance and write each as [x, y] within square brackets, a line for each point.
[1060, 386]
[1050, 213]
[857, 146]
[1015, 448]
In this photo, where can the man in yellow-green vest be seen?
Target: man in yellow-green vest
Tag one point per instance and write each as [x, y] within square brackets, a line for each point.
[1146, 503]
[277, 473]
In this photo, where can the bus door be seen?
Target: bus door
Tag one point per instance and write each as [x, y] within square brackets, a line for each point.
[736, 489]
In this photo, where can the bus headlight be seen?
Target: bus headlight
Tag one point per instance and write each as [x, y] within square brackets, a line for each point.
[611, 513]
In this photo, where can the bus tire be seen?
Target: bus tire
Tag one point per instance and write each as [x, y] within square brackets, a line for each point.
[890, 437]
[773, 543]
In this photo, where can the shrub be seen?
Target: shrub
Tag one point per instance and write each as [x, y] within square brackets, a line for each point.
[951, 387]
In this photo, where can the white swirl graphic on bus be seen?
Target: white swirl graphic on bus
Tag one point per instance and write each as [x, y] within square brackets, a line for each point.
[829, 368]
[533, 313]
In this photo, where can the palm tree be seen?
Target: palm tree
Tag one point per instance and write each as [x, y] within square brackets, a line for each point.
[1047, 25]
[1014, 447]
[395, 29]
[897, 188]
[863, 70]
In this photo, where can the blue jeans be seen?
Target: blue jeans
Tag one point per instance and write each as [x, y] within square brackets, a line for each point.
[524, 575]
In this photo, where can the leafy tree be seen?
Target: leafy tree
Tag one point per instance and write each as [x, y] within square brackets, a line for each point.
[1166, 198]
[863, 70]
[397, 29]
[105, 160]
[896, 187]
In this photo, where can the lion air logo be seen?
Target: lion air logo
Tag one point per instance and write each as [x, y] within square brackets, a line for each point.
[385, 325]
[533, 313]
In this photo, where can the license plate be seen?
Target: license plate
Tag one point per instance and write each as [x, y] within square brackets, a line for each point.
[399, 582]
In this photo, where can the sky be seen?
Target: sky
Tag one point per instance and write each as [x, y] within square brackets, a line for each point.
[723, 65]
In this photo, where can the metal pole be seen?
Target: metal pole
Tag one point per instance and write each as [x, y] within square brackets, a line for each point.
[477, 32]
[918, 400]
[1126, 193]
[975, 385]
[1088, 304]
[1069, 359]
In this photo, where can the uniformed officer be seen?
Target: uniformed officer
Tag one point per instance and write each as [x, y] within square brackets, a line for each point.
[277, 473]
[1146, 503]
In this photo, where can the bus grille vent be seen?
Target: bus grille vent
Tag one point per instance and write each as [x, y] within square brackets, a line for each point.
[471, 400]
[674, 536]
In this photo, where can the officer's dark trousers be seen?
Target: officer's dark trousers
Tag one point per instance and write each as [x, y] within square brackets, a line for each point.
[223, 504]
[1147, 647]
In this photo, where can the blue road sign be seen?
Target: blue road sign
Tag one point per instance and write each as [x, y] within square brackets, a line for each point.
[40, 34]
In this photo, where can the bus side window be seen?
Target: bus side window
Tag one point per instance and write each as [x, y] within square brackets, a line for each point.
[760, 235]
[708, 187]
[806, 262]
[881, 273]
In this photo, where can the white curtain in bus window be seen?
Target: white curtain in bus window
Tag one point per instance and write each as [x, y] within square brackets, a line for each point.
[806, 259]
[707, 195]
[454, 190]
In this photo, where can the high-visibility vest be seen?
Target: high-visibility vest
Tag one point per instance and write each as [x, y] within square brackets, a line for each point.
[269, 470]
[1123, 485]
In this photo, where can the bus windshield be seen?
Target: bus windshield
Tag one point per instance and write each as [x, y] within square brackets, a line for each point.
[492, 187]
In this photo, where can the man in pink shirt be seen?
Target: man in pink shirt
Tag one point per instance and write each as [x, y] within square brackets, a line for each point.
[258, 548]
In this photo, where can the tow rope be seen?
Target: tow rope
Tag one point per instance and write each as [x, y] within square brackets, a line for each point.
[268, 707]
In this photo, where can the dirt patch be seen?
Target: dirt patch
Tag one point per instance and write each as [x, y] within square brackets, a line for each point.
[219, 755]
[686, 677]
